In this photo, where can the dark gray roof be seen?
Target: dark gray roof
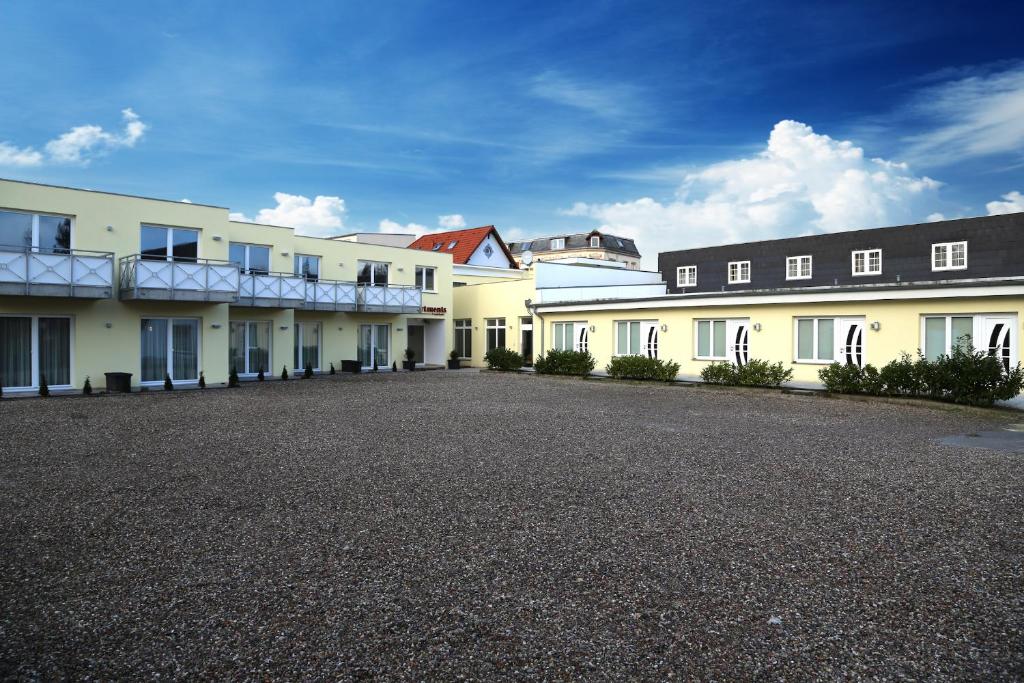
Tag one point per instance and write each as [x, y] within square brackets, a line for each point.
[580, 240]
[995, 249]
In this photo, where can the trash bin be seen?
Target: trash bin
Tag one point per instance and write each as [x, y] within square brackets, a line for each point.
[119, 381]
[351, 366]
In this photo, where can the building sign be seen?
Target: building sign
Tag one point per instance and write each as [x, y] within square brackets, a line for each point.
[435, 310]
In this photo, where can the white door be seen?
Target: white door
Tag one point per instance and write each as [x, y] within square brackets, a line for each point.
[580, 337]
[737, 338]
[850, 341]
[649, 338]
[996, 339]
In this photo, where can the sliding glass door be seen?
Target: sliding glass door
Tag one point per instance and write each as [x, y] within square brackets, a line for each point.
[249, 347]
[375, 345]
[33, 348]
[170, 346]
[307, 346]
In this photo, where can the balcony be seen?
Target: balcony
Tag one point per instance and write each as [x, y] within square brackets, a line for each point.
[71, 273]
[389, 299]
[160, 280]
[330, 295]
[271, 290]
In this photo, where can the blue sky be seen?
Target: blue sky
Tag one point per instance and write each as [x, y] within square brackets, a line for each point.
[678, 123]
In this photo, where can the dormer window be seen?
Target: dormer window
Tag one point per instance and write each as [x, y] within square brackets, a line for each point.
[595, 242]
[558, 243]
[451, 245]
[437, 246]
[867, 262]
[739, 272]
[798, 268]
[949, 256]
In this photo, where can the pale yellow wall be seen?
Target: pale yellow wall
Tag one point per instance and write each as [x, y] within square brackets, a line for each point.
[900, 328]
[494, 300]
[98, 348]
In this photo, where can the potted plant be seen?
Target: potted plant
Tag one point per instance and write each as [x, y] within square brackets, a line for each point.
[232, 379]
[308, 372]
[454, 360]
[202, 379]
[86, 388]
[409, 364]
[168, 384]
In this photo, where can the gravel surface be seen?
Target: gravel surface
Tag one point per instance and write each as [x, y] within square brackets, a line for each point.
[478, 525]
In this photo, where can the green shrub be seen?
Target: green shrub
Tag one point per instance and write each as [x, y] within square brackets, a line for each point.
[503, 359]
[87, 387]
[44, 388]
[168, 384]
[761, 373]
[233, 378]
[308, 372]
[871, 381]
[284, 373]
[261, 377]
[719, 373]
[333, 371]
[839, 378]
[642, 367]
[579, 363]
[902, 377]
[202, 379]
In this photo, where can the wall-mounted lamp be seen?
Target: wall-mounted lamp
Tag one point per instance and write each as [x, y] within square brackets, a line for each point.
[108, 325]
[757, 327]
[284, 253]
[341, 264]
[284, 327]
[340, 328]
[110, 228]
[399, 329]
[215, 326]
[664, 327]
[876, 326]
[401, 270]
[593, 328]
[217, 238]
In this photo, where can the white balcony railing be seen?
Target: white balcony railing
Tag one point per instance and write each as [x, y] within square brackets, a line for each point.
[330, 295]
[271, 290]
[390, 299]
[73, 273]
[195, 280]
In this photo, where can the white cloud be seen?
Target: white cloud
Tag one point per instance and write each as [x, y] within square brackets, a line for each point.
[320, 217]
[935, 217]
[79, 144]
[390, 226]
[802, 182]
[975, 116]
[1014, 202]
[453, 221]
[186, 200]
[13, 156]
[607, 100]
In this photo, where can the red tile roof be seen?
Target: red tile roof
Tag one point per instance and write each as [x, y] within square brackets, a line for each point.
[466, 242]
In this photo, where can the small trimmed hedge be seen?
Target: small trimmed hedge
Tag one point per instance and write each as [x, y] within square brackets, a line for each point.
[642, 367]
[578, 363]
[755, 373]
[503, 359]
[965, 376]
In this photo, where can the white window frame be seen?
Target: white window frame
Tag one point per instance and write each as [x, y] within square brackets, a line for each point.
[641, 323]
[572, 327]
[34, 351]
[711, 341]
[799, 262]
[300, 273]
[595, 242]
[248, 246]
[169, 246]
[557, 243]
[421, 278]
[298, 337]
[946, 248]
[686, 276]
[494, 324]
[463, 325]
[814, 339]
[373, 273]
[249, 372]
[866, 255]
[170, 349]
[736, 272]
[35, 231]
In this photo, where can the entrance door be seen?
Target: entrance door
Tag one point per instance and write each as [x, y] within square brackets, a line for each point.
[649, 338]
[850, 341]
[526, 340]
[737, 335]
[375, 345]
[995, 339]
[581, 337]
[416, 342]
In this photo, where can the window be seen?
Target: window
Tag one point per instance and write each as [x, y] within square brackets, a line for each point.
[425, 278]
[373, 273]
[375, 345]
[636, 338]
[949, 256]
[33, 347]
[739, 271]
[464, 338]
[437, 246]
[170, 346]
[37, 232]
[815, 340]
[943, 333]
[158, 243]
[867, 262]
[686, 276]
[595, 241]
[308, 267]
[711, 335]
[558, 243]
[307, 346]
[798, 268]
[574, 336]
[251, 258]
[249, 347]
[488, 251]
[451, 245]
[495, 333]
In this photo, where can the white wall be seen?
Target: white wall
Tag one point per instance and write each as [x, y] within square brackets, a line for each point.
[595, 293]
[497, 259]
[565, 275]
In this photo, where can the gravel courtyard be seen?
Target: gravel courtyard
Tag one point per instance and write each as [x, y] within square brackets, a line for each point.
[476, 525]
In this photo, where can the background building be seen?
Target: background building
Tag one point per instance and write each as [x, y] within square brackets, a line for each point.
[585, 245]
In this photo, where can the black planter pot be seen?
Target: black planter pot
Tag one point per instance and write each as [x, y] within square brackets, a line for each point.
[409, 365]
[455, 364]
[351, 366]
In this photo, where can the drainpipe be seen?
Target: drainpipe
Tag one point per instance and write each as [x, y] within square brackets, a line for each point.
[532, 308]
